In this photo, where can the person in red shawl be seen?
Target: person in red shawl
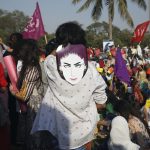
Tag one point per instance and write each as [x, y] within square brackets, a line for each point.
[3, 81]
[4, 121]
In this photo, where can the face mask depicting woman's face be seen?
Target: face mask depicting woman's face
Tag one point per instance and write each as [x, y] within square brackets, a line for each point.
[72, 67]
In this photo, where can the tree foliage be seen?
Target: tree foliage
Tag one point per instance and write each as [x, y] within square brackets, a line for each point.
[11, 22]
[95, 33]
[98, 5]
[98, 32]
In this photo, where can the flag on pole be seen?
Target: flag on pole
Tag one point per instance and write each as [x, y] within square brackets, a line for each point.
[120, 68]
[35, 27]
[139, 32]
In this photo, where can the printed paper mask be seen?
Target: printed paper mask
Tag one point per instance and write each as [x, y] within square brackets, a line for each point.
[72, 62]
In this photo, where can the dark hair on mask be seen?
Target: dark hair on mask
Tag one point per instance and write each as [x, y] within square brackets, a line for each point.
[70, 32]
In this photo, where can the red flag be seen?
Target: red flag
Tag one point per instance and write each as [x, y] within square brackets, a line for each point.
[35, 27]
[140, 31]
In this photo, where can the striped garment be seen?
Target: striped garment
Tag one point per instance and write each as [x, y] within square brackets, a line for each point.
[28, 84]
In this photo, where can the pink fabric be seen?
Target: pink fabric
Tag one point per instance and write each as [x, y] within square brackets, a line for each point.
[11, 69]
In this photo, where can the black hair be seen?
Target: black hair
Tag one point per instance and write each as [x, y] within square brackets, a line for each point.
[15, 40]
[70, 32]
[18, 36]
[51, 46]
[29, 55]
[123, 108]
[120, 89]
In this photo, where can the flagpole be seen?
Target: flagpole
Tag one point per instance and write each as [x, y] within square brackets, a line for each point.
[45, 38]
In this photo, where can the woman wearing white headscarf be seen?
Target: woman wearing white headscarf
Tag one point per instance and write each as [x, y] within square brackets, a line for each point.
[76, 90]
[119, 135]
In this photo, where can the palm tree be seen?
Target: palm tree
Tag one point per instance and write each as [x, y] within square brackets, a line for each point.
[122, 8]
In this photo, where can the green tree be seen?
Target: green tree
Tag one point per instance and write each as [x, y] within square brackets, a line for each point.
[146, 40]
[122, 8]
[11, 22]
[97, 32]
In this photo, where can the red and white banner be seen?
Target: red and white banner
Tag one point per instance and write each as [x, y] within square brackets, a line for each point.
[139, 32]
[35, 27]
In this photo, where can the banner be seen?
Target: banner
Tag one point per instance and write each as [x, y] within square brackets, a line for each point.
[120, 68]
[107, 44]
[139, 32]
[35, 27]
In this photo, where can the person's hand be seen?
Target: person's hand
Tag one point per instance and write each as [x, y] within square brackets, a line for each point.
[3, 89]
[13, 92]
[101, 106]
[9, 49]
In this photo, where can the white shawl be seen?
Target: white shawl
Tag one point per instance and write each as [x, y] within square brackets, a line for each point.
[119, 135]
[69, 111]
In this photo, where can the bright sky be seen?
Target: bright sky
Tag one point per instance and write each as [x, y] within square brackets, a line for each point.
[56, 12]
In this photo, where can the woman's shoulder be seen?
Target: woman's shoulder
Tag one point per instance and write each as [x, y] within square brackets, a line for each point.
[136, 123]
[94, 73]
[134, 120]
[50, 58]
[92, 68]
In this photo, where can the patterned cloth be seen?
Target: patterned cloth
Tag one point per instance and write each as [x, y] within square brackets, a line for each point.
[30, 93]
[138, 132]
[69, 111]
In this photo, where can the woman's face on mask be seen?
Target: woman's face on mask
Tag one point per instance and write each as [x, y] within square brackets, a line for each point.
[72, 67]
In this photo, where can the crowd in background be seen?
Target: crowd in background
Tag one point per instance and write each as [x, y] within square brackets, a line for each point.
[124, 121]
[129, 100]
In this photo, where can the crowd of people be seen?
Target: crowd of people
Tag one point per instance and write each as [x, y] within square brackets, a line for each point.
[70, 96]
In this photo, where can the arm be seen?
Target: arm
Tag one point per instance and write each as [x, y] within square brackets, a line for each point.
[100, 106]
[7, 48]
[99, 94]
[27, 86]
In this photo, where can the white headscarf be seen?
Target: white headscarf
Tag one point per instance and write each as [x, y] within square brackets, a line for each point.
[69, 111]
[119, 135]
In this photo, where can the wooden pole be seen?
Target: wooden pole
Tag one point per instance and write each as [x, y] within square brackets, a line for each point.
[45, 39]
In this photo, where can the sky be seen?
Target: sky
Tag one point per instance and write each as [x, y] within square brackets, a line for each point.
[56, 12]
